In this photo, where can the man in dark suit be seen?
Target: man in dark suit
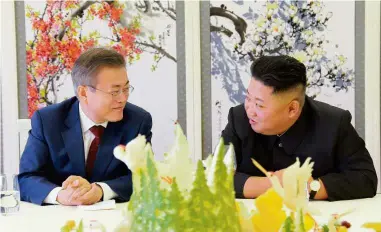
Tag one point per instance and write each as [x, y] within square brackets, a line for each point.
[278, 123]
[68, 158]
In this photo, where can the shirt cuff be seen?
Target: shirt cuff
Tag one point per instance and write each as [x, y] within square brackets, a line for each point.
[52, 196]
[239, 183]
[108, 193]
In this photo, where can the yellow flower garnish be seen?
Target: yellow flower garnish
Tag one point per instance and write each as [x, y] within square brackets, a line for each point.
[70, 224]
[342, 229]
[309, 222]
[373, 225]
[270, 215]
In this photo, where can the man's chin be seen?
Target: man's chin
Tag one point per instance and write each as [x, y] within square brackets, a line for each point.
[258, 129]
[115, 118]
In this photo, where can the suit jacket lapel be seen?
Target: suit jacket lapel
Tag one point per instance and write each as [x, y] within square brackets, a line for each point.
[73, 140]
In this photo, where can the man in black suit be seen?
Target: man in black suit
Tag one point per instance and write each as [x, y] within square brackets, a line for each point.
[278, 123]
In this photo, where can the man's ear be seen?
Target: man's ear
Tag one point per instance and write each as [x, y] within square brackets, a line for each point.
[82, 93]
[294, 108]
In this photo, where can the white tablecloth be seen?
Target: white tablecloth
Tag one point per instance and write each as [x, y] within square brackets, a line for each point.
[50, 218]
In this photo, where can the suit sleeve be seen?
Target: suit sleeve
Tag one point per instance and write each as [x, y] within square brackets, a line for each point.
[356, 176]
[122, 186]
[230, 136]
[34, 185]
[146, 127]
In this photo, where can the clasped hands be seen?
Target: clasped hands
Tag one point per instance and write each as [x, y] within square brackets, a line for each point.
[78, 191]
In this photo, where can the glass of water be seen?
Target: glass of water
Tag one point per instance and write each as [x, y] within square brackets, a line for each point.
[9, 194]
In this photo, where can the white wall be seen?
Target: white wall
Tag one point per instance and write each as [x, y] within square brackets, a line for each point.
[193, 77]
[372, 83]
[9, 88]
[1, 124]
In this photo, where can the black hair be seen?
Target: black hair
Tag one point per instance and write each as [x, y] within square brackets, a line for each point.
[280, 72]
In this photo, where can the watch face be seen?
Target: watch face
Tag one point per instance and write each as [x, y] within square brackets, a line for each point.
[315, 185]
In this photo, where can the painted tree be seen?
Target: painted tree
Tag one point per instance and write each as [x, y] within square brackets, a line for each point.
[60, 35]
[59, 40]
[280, 27]
[153, 11]
[201, 205]
[136, 206]
[151, 215]
[175, 209]
[221, 184]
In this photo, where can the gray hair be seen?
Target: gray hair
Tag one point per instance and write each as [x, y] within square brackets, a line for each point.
[89, 63]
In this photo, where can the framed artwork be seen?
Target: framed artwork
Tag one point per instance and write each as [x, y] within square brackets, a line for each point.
[52, 35]
[326, 38]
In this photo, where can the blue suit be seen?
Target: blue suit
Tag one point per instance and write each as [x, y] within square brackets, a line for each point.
[55, 151]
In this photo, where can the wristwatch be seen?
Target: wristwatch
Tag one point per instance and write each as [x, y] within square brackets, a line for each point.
[314, 187]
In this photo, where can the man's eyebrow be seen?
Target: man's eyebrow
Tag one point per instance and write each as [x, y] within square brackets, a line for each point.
[117, 86]
[256, 98]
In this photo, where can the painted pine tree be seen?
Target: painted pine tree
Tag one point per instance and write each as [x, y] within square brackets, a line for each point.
[204, 203]
[175, 209]
[155, 206]
[136, 204]
[150, 209]
[221, 184]
[201, 204]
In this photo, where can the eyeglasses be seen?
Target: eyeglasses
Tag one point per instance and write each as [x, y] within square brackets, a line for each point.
[125, 91]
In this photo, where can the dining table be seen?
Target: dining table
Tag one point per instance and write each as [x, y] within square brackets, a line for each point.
[51, 218]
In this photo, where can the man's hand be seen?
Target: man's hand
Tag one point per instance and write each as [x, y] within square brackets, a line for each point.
[92, 196]
[64, 197]
[85, 195]
[75, 182]
[279, 174]
[78, 191]
[80, 186]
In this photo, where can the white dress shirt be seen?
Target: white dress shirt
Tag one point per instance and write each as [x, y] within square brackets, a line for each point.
[88, 137]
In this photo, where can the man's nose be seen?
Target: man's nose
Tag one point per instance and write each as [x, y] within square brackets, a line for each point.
[122, 97]
[251, 111]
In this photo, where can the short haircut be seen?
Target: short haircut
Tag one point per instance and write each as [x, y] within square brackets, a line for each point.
[280, 72]
[89, 63]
